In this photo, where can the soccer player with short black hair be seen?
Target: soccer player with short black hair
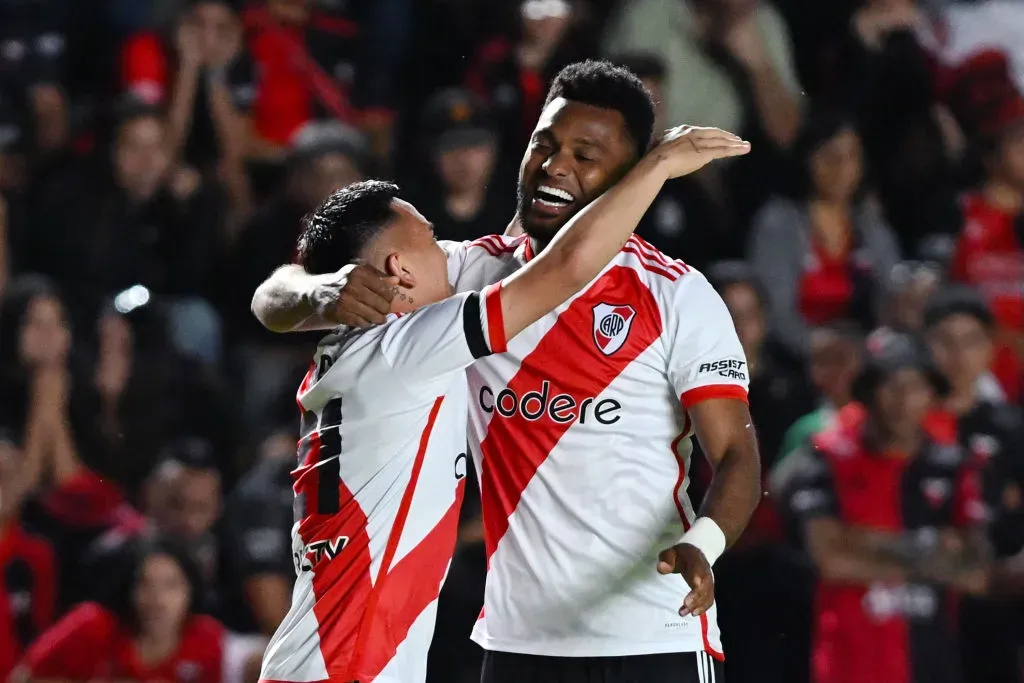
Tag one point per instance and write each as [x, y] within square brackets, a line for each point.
[580, 431]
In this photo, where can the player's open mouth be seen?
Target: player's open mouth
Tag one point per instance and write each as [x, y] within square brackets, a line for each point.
[551, 201]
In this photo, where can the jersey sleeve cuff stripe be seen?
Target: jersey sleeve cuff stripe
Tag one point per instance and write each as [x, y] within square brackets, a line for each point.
[472, 326]
[495, 318]
[700, 394]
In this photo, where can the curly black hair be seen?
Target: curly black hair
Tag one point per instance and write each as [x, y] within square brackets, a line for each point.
[605, 85]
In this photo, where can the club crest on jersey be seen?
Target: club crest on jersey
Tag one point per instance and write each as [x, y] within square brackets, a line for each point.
[611, 326]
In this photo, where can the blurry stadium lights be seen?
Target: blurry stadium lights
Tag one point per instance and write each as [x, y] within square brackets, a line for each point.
[128, 300]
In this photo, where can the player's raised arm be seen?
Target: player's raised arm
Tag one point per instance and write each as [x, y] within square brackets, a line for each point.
[593, 237]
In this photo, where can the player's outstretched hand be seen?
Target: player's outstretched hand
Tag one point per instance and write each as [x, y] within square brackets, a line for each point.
[689, 561]
[357, 296]
[685, 149]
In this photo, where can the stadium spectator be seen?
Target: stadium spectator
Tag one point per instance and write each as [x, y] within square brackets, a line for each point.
[145, 627]
[205, 80]
[829, 255]
[136, 221]
[890, 517]
[961, 332]
[989, 254]
[461, 188]
[45, 400]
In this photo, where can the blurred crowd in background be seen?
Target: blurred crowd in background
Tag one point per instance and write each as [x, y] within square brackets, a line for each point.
[156, 157]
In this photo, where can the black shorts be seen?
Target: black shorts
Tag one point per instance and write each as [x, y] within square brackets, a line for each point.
[676, 667]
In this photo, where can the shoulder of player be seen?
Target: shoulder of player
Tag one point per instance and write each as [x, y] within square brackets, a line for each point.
[653, 266]
[675, 285]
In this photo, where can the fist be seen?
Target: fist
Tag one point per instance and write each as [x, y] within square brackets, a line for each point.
[689, 562]
[685, 149]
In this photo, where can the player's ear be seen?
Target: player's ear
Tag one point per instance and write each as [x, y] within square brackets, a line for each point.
[395, 265]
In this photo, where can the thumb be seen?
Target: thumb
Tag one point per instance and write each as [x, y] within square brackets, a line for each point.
[667, 561]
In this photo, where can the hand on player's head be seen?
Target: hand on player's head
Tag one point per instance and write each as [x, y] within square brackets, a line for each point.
[357, 295]
[688, 561]
[685, 149]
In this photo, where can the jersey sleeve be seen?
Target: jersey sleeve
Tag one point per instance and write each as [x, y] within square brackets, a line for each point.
[437, 340]
[706, 359]
[71, 648]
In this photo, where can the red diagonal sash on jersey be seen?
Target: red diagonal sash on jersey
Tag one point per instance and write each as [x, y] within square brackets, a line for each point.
[414, 583]
[571, 361]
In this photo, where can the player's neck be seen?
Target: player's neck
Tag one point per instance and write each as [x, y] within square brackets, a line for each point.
[405, 301]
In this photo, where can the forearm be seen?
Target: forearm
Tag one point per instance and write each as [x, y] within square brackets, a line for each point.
[228, 122]
[582, 248]
[282, 303]
[64, 461]
[232, 130]
[861, 556]
[179, 117]
[735, 489]
[28, 475]
[848, 567]
[778, 110]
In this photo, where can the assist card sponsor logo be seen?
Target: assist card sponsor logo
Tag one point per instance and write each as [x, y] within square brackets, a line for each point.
[728, 368]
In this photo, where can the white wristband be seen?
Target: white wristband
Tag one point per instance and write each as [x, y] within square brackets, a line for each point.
[706, 536]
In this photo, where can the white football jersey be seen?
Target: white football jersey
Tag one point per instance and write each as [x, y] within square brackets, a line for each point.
[381, 468]
[582, 444]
